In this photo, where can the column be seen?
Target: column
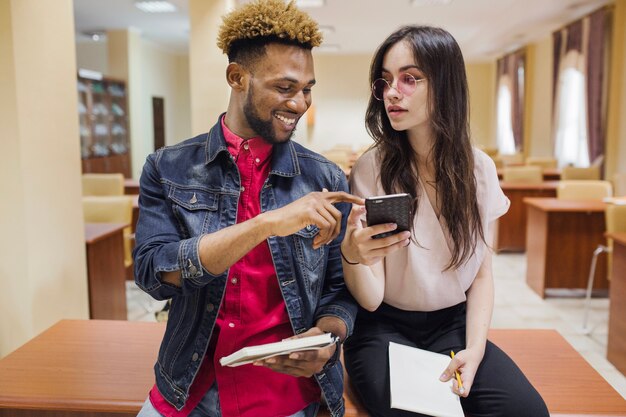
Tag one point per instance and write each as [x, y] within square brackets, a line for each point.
[42, 261]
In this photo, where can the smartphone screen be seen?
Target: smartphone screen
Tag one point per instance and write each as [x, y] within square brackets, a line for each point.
[394, 208]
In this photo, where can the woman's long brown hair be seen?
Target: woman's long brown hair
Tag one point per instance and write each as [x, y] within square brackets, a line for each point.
[440, 59]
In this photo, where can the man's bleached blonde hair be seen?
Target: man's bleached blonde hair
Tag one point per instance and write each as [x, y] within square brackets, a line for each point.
[269, 20]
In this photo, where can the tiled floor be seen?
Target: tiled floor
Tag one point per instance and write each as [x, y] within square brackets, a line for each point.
[516, 306]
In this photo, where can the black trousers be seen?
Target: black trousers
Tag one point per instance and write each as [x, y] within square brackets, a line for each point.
[500, 389]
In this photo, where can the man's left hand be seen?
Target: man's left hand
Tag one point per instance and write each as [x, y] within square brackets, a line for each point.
[304, 363]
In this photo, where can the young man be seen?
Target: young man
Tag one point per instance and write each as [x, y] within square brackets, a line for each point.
[241, 228]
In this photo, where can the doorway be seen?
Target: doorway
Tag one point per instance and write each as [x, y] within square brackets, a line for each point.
[158, 118]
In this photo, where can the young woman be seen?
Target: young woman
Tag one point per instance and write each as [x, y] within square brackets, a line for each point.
[430, 287]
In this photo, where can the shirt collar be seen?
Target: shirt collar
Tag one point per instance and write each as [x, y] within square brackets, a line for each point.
[257, 146]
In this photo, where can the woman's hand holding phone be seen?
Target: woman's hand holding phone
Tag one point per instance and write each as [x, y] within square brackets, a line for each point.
[361, 244]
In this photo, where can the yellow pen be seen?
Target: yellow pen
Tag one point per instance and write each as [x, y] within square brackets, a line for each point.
[458, 376]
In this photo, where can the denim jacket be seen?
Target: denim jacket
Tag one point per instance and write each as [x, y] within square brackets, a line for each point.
[191, 189]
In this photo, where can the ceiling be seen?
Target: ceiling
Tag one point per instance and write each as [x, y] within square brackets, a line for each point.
[485, 29]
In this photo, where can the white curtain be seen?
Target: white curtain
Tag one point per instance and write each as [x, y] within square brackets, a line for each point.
[504, 134]
[571, 144]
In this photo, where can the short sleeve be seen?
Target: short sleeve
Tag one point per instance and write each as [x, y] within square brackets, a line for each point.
[496, 204]
[364, 176]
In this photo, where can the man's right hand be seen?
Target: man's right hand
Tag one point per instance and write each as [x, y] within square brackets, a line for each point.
[315, 208]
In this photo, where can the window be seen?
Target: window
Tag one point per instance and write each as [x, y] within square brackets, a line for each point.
[571, 145]
[505, 139]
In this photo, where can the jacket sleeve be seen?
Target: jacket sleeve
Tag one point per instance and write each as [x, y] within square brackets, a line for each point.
[336, 300]
[159, 245]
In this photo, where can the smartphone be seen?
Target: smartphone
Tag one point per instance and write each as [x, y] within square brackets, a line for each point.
[393, 208]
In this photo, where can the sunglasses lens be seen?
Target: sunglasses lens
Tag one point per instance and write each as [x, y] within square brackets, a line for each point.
[406, 84]
[378, 88]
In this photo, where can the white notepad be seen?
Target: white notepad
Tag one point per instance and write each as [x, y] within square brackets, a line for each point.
[250, 354]
[415, 385]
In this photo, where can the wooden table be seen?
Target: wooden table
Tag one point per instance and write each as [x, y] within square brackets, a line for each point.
[510, 232]
[131, 186]
[616, 348]
[549, 174]
[135, 213]
[561, 236]
[105, 270]
[98, 368]
[83, 368]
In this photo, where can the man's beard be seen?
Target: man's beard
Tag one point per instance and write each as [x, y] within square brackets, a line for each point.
[263, 128]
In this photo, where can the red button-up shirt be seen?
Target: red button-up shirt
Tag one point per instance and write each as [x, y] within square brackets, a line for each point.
[253, 312]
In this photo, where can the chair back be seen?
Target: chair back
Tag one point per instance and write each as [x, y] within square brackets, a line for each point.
[111, 209]
[619, 184]
[584, 190]
[103, 184]
[545, 162]
[341, 155]
[512, 159]
[576, 173]
[525, 173]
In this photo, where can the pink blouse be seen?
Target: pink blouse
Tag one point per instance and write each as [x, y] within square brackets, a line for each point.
[415, 278]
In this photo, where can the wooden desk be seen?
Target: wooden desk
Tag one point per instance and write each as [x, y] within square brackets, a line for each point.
[510, 232]
[131, 186]
[106, 271]
[97, 368]
[81, 368]
[616, 348]
[549, 174]
[135, 213]
[561, 236]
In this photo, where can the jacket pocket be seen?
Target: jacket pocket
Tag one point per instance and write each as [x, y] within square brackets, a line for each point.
[306, 255]
[195, 209]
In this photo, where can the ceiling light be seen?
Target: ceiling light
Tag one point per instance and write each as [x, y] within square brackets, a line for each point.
[155, 6]
[417, 3]
[96, 36]
[310, 3]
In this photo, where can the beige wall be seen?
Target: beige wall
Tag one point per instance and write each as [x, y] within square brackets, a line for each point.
[538, 112]
[207, 64]
[42, 261]
[164, 75]
[92, 55]
[616, 135]
[481, 79]
[340, 99]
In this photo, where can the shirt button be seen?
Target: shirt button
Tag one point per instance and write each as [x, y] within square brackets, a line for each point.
[231, 325]
[257, 160]
[234, 281]
[243, 189]
[195, 357]
[210, 308]
[245, 146]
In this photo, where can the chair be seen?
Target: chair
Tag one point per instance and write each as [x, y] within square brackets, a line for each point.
[576, 173]
[340, 155]
[103, 184]
[490, 151]
[532, 174]
[615, 217]
[584, 190]
[619, 184]
[542, 161]
[512, 159]
[112, 209]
